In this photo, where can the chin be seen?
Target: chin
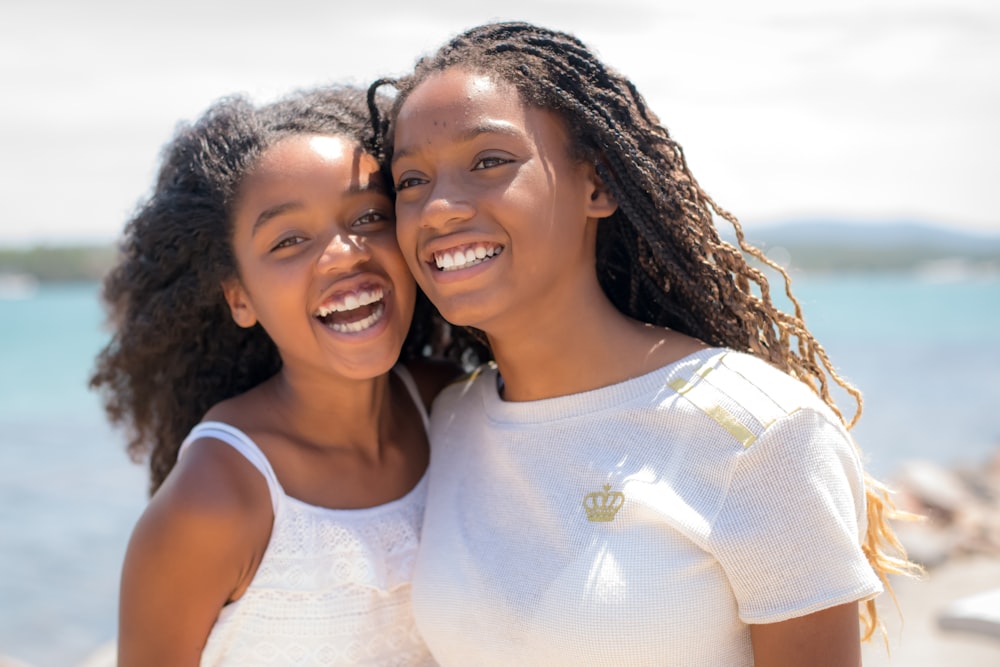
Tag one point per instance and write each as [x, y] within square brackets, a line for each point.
[369, 365]
[466, 310]
[367, 369]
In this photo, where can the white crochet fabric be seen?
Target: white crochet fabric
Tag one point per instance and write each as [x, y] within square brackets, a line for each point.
[333, 587]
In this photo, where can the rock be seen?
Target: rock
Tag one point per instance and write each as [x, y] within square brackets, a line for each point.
[927, 544]
[936, 488]
[7, 661]
[105, 656]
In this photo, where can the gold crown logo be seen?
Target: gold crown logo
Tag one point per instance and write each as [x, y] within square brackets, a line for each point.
[603, 505]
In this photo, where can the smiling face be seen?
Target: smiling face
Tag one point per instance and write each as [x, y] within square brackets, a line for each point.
[319, 265]
[495, 218]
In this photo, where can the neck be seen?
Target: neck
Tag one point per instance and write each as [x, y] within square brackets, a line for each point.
[360, 410]
[586, 345]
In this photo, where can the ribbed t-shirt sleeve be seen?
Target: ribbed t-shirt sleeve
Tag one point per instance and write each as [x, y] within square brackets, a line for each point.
[788, 532]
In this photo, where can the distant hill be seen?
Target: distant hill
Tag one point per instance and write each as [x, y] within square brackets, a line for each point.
[875, 234]
[824, 245]
[58, 263]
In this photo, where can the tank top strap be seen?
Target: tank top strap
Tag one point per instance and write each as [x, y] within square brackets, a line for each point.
[403, 373]
[242, 443]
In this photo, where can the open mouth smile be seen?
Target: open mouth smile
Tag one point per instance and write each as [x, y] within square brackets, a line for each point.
[352, 312]
[463, 257]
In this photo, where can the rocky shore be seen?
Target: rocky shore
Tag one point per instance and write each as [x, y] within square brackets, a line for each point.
[951, 616]
[960, 507]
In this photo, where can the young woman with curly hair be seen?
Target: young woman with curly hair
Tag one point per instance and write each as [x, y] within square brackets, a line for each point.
[654, 471]
[259, 309]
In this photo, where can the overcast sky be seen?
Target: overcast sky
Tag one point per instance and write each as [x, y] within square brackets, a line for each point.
[849, 109]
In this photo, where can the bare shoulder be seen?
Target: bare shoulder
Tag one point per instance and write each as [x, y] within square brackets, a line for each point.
[433, 375]
[213, 477]
[213, 499]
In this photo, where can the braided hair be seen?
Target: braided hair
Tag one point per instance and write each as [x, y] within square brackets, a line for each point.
[660, 258]
[175, 350]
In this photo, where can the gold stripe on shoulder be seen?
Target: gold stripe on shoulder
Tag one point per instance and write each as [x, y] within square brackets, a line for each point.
[699, 393]
[771, 404]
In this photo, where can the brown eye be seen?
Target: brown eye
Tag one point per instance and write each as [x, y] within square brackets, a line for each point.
[489, 162]
[373, 217]
[409, 182]
[287, 242]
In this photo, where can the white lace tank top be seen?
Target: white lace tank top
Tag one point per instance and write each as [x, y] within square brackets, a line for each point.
[333, 586]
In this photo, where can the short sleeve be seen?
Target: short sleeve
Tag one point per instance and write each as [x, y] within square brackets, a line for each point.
[788, 533]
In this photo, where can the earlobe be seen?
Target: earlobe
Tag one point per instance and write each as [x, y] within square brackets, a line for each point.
[239, 305]
[601, 203]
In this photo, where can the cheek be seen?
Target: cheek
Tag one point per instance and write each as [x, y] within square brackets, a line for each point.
[406, 238]
[393, 261]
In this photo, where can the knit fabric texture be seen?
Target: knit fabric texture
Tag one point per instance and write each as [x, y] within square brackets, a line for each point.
[644, 523]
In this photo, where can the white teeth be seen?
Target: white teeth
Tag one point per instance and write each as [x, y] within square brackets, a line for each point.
[360, 325]
[351, 301]
[460, 259]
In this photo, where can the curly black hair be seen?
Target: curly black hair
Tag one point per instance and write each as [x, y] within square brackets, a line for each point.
[175, 350]
[660, 257]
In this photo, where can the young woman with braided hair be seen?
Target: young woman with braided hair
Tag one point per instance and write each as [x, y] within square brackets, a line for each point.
[654, 471]
[259, 308]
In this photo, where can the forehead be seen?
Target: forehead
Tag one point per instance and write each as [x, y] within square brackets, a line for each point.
[305, 152]
[452, 108]
[456, 94]
[300, 159]
[305, 165]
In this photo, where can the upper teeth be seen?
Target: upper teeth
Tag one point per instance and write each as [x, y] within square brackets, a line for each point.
[459, 258]
[351, 301]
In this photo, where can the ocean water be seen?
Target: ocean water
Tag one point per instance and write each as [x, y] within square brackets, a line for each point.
[925, 352]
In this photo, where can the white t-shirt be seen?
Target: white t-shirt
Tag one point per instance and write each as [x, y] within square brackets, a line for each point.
[645, 523]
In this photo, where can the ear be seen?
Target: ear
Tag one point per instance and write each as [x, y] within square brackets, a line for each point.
[601, 203]
[239, 303]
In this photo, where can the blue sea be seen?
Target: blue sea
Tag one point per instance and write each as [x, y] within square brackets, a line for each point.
[924, 350]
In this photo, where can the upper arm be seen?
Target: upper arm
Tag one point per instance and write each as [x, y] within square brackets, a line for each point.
[826, 638]
[196, 544]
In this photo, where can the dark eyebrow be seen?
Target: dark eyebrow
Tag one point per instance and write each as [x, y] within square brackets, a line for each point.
[273, 212]
[278, 209]
[486, 127]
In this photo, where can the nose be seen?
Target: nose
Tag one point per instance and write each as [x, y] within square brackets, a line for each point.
[343, 252]
[447, 204]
